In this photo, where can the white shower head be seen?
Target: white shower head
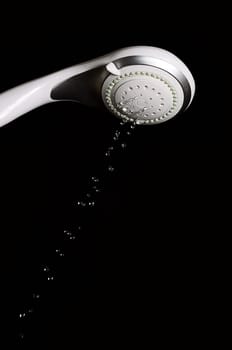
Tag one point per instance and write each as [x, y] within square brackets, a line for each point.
[146, 85]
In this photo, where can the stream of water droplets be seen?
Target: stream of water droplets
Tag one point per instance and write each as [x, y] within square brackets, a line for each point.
[95, 186]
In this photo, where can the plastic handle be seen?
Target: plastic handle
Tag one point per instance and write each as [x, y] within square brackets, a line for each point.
[22, 99]
[26, 97]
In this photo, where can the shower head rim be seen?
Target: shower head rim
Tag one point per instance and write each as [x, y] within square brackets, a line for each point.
[176, 74]
[187, 85]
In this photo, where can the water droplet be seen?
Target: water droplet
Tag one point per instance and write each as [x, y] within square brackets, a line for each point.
[128, 133]
[22, 315]
[110, 168]
[46, 269]
[123, 122]
[81, 203]
[110, 150]
[36, 296]
[96, 189]
[72, 238]
[79, 228]
[91, 204]
[107, 154]
[123, 145]
[59, 252]
[94, 179]
[68, 233]
[116, 135]
[50, 278]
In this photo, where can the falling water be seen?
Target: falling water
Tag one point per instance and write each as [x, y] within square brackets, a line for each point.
[88, 201]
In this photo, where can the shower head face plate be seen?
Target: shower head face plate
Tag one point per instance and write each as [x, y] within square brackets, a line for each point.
[143, 94]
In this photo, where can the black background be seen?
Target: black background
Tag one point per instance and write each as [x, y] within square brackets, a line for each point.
[142, 269]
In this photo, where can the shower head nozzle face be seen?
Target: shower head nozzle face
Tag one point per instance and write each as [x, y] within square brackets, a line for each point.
[143, 94]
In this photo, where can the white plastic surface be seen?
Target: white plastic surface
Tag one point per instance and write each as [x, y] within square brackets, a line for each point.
[26, 97]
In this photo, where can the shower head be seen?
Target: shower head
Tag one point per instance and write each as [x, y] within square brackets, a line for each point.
[141, 84]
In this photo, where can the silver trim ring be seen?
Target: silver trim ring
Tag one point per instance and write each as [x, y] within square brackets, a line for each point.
[160, 64]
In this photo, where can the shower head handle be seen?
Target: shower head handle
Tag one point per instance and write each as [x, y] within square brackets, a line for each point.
[28, 96]
[86, 82]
